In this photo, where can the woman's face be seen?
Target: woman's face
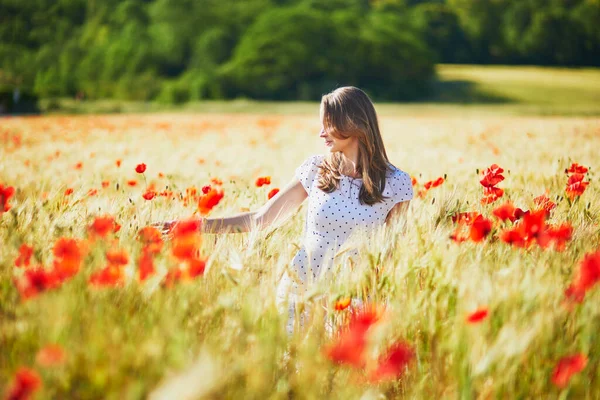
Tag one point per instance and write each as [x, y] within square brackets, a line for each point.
[335, 144]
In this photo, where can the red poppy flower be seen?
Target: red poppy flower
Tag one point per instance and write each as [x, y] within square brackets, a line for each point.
[172, 276]
[51, 355]
[132, 182]
[216, 181]
[186, 247]
[196, 267]
[575, 293]
[544, 202]
[150, 234]
[413, 180]
[465, 217]
[504, 212]
[184, 228]
[349, 348]
[25, 383]
[145, 265]
[458, 236]
[265, 180]
[118, 162]
[5, 194]
[342, 304]
[206, 189]
[161, 175]
[272, 193]
[105, 184]
[519, 213]
[79, 165]
[586, 278]
[350, 345]
[24, 258]
[111, 275]
[589, 271]
[393, 364]
[560, 235]
[68, 256]
[576, 169]
[208, 201]
[140, 168]
[17, 140]
[491, 194]
[576, 186]
[117, 257]
[435, 183]
[533, 224]
[477, 315]
[186, 240]
[149, 194]
[508, 212]
[68, 192]
[513, 237]
[36, 280]
[102, 226]
[66, 248]
[566, 368]
[480, 228]
[492, 176]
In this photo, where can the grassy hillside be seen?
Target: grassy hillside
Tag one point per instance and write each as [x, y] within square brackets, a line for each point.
[552, 87]
[458, 89]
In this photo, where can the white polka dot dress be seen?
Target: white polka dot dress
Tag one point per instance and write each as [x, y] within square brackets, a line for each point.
[332, 217]
[330, 220]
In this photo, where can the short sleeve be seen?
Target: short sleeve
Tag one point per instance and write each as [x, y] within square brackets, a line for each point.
[307, 172]
[401, 185]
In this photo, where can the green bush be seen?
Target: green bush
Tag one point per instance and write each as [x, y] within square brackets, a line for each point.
[294, 53]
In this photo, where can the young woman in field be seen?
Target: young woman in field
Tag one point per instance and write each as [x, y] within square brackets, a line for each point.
[353, 187]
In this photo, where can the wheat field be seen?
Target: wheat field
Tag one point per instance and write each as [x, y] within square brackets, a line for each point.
[479, 317]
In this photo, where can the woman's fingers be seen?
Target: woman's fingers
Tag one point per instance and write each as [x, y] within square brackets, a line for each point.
[165, 227]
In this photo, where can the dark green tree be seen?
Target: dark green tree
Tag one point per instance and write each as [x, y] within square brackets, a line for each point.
[441, 29]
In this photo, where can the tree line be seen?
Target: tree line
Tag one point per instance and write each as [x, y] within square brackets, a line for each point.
[181, 50]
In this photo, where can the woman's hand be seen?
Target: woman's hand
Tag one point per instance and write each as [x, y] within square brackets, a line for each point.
[165, 227]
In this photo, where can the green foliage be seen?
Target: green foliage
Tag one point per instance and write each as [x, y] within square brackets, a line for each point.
[396, 63]
[292, 53]
[180, 50]
[283, 55]
[442, 32]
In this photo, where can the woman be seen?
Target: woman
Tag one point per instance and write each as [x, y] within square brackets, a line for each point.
[353, 187]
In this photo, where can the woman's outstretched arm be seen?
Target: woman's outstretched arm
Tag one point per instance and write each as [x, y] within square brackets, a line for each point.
[277, 209]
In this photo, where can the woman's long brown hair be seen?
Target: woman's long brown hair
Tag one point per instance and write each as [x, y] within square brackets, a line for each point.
[349, 112]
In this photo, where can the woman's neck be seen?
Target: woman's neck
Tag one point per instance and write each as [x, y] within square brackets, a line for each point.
[350, 162]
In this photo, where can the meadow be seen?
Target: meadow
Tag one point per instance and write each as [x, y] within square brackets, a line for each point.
[457, 90]
[497, 304]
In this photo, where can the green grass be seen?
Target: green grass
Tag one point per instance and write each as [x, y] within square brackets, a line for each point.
[552, 88]
[221, 335]
[458, 89]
